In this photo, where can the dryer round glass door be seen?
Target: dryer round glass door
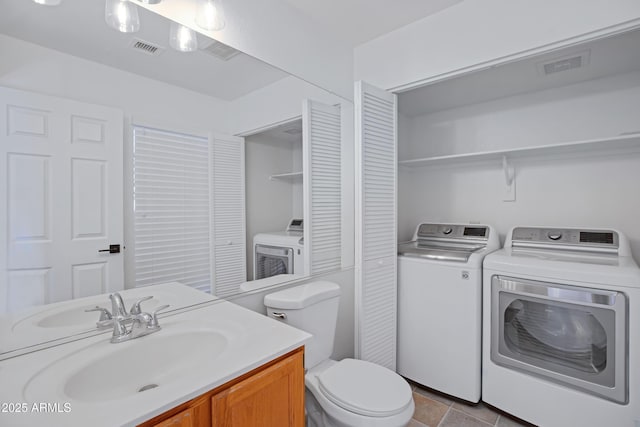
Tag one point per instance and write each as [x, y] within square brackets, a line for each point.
[571, 335]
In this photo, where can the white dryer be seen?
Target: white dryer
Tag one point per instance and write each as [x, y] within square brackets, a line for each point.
[439, 306]
[280, 252]
[561, 328]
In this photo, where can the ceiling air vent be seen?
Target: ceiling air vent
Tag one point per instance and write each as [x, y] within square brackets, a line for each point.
[219, 50]
[146, 47]
[293, 131]
[566, 63]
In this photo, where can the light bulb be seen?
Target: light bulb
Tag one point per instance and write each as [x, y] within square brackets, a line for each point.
[122, 15]
[48, 2]
[182, 38]
[209, 15]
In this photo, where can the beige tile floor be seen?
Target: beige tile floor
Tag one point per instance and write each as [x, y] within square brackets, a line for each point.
[438, 410]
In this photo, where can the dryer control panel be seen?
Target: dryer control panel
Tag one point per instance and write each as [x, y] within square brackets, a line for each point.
[521, 236]
[454, 231]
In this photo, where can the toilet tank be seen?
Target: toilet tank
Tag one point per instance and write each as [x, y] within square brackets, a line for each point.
[312, 307]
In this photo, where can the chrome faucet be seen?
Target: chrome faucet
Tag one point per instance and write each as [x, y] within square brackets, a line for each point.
[143, 324]
[117, 306]
[118, 309]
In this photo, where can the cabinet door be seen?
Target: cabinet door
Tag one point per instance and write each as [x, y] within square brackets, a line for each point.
[376, 222]
[272, 397]
[322, 154]
[229, 267]
[183, 419]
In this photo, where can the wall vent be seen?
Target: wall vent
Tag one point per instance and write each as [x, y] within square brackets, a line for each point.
[146, 47]
[219, 50]
[566, 63]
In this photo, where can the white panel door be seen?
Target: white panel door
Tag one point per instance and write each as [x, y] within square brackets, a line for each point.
[229, 265]
[321, 147]
[376, 223]
[61, 178]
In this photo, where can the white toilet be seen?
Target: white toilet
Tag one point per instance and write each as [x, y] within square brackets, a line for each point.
[348, 393]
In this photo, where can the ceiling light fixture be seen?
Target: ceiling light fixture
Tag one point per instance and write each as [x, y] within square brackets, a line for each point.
[182, 38]
[209, 15]
[122, 15]
[48, 2]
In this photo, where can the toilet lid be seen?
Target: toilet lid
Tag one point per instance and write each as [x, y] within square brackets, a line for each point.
[365, 388]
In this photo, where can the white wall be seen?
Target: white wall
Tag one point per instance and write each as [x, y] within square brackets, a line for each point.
[584, 190]
[270, 204]
[597, 108]
[32, 67]
[144, 101]
[343, 343]
[279, 102]
[478, 32]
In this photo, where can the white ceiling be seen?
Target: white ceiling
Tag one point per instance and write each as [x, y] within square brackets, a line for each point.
[358, 21]
[77, 27]
[607, 57]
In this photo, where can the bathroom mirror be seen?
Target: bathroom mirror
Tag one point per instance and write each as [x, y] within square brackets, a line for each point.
[68, 52]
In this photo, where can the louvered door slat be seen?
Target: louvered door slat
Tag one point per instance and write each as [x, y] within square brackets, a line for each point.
[228, 218]
[322, 154]
[376, 289]
[171, 195]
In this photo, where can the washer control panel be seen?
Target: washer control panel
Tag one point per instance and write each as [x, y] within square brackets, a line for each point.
[565, 236]
[457, 231]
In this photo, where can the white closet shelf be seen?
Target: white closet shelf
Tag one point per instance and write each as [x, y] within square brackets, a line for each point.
[603, 144]
[286, 176]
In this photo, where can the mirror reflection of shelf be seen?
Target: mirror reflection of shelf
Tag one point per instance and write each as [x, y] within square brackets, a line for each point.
[291, 176]
[625, 141]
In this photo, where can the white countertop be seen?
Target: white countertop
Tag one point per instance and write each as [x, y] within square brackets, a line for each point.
[255, 340]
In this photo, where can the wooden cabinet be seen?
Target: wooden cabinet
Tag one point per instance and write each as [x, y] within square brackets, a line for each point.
[271, 395]
[181, 419]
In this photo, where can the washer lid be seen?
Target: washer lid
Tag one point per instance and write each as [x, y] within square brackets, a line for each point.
[365, 388]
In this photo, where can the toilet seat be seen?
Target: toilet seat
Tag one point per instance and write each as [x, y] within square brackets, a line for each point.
[365, 388]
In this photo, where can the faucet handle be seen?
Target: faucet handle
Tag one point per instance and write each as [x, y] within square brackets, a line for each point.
[135, 308]
[154, 319]
[104, 313]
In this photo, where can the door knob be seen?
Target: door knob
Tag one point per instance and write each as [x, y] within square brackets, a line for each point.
[113, 249]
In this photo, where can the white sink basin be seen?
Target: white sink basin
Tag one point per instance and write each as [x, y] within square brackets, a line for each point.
[140, 368]
[104, 371]
[52, 321]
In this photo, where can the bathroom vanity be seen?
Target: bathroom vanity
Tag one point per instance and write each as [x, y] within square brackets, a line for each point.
[272, 394]
[217, 365]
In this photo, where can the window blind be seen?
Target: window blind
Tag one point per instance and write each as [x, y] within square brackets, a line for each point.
[172, 208]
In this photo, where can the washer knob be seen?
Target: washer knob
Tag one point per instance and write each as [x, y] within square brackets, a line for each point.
[447, 230]
[554, 236]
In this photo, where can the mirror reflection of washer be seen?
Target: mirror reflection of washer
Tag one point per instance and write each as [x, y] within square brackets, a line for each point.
[439, 306]
[561, 338]
[280, 252]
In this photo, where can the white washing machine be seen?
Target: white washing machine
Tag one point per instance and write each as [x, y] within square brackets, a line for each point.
[561, 328]
[439, 306]
[279, 252]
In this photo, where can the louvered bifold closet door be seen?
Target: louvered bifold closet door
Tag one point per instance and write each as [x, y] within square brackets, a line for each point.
[171, 203]
[228, 218]
[322, 180]
[376, 247]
